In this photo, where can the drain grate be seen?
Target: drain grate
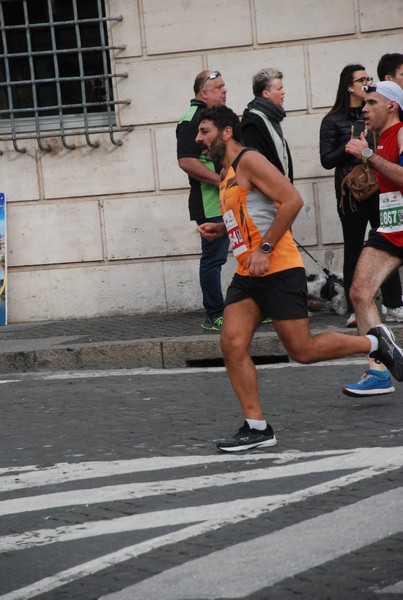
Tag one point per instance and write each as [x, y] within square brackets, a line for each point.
[219, 362]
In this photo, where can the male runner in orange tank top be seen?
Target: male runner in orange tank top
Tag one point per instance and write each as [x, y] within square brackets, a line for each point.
[259, 205]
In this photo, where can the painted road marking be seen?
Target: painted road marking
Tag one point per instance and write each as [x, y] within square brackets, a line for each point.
[392, 589]
[295, 549]
[344, 467]
[34, 476]
[373, 458]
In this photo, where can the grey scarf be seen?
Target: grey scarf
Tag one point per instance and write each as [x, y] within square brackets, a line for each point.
[273, 112]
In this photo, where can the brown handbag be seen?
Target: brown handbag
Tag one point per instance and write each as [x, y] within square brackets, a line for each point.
[358, 185]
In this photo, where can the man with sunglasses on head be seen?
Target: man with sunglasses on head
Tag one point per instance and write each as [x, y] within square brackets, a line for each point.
[383, 252]
[204, 180]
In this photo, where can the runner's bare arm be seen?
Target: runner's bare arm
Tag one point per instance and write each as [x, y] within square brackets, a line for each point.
[392, 171]
[254, 170]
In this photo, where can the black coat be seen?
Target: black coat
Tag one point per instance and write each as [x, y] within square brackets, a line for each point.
[256, 135]
[335, 131]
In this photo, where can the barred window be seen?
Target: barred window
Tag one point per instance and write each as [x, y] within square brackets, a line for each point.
[55, 72]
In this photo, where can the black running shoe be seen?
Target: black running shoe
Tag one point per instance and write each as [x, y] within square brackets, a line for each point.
[388, 351]
[248, 438]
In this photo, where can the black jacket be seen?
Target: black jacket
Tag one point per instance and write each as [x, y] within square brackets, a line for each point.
[256, 135]
[335, 131]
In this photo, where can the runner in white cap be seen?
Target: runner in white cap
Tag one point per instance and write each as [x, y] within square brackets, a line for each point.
[388, 89]
[383, 252]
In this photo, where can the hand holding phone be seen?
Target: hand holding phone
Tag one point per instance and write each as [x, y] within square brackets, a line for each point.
[357, 129]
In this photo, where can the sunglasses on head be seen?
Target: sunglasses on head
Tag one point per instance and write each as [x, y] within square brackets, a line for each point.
[369, 88]
[212, 75]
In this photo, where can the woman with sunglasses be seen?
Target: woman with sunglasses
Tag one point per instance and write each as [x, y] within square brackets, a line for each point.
[344, 120]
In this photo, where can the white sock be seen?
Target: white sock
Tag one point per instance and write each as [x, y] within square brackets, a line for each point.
[374, 343]
[255, 424]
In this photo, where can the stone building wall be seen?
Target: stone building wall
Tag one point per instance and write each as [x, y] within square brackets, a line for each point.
[105, 230]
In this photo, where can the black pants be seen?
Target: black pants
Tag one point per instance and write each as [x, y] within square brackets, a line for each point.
[354, 224]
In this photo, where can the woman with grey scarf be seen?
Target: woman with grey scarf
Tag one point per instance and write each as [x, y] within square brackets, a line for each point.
[261, 120]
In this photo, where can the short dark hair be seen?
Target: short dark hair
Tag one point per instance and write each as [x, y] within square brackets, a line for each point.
[223, 117]
[389, 64]
[198, 84]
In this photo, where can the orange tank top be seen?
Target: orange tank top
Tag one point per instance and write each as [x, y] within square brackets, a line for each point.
[247, 216]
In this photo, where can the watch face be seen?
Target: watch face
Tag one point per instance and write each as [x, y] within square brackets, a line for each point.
[266, 247]
[367, 152]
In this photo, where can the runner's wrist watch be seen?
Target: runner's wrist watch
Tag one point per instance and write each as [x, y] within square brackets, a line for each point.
[266, 247]
[366, 155]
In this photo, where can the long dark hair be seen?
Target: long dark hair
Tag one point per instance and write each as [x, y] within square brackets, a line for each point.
[342, 102]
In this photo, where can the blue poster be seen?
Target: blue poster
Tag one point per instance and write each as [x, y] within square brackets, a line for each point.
[3, 261]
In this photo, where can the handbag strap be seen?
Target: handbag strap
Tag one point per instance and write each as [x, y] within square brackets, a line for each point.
[374, 140]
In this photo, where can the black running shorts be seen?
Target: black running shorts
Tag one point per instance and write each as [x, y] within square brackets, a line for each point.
[280, 296]
[380, 242]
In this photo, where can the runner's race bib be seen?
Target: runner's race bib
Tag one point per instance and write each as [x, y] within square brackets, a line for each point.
[391, 212]
[234, 233]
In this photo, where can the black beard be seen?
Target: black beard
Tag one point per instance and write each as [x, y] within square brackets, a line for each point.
[216, 152]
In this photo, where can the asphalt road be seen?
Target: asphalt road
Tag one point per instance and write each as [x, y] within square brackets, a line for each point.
[111, 487]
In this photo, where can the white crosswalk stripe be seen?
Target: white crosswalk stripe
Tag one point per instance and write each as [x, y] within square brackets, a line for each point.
[337, 469]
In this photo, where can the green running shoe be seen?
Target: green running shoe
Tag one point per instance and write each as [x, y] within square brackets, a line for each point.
[213, 325]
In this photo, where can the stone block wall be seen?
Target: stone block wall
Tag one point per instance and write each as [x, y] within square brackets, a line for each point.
[105, 230]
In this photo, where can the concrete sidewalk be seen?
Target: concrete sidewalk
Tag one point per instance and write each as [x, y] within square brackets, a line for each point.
[173, 340]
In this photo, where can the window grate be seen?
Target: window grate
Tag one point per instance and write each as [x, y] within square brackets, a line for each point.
[55, 72]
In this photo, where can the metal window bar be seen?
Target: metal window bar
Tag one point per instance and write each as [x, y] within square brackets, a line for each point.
[105, 65]
[32, 72]
[107, 106]
[57, 78]
[81, 68]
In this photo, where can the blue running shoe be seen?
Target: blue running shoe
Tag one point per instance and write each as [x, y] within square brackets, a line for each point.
[372, 383]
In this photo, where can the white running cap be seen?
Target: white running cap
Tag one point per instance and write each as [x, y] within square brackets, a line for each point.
[391, 91]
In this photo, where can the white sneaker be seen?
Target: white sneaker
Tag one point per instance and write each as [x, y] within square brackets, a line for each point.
[394, 314]
[351, 321]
